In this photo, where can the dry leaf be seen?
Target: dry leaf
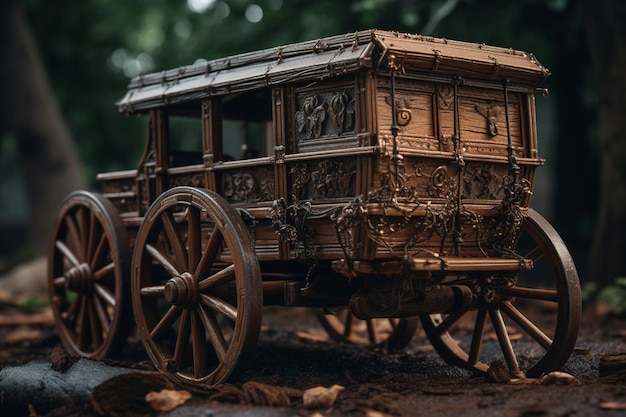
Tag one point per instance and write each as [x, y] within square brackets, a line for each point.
[557, 377]
[312, 335]
[167, 399]
[321, 397]
[613, 405]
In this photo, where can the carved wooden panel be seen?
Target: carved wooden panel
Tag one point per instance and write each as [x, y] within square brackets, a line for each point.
[324, 116]
[482, 120]
[415, 114]
[249, 185]
[324, 178]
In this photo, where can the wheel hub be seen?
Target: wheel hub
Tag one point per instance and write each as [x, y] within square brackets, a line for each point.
[182, 290]
[79, 279]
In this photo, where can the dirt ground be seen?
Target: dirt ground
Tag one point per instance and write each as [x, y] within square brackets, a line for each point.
[295, 354]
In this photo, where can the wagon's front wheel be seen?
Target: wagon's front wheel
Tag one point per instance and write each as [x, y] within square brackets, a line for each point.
[531, 326]
[344, 327]
[88, 268]
[196, 288]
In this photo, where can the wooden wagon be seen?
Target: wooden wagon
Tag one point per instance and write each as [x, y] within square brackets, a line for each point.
[383, 174]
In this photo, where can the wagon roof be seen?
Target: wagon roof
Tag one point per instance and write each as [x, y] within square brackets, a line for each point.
[329, 57]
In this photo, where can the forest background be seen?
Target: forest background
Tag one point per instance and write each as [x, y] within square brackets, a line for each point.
[63, 64]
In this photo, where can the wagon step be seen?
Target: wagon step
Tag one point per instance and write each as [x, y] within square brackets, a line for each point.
[437, 264]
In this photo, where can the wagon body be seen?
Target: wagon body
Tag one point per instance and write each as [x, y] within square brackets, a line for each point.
[363, 167]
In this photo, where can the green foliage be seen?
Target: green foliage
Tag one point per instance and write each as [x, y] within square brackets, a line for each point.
[611, 299]
[32, 305]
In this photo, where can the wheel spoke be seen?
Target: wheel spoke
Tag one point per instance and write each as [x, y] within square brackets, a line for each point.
[97, 255]
[216, 337]
[536, 254]
[59, 282]
[106, 294]
[81, 324]
[175, 240]
[371, 331]
[198, 345]
[82, 220]
[166, 322]
[445, 324]
[70, 315]
[349, 324]
[210, 253]
[222, 277]
[155, 291]
[74, 237]
[102, 315]
[104, 271]
[477, 337]
[91, 235]
[94, 325]
[219, 305]
[532, 293]
[162, 260]
[519, 318]
[182, 339]
[193, 237]
[67, 253]
[505, 341]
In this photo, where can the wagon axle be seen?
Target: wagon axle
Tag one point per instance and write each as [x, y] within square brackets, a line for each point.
[438, 299]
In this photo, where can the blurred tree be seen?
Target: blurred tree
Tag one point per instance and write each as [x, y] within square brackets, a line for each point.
[29, 112]
[605, 23]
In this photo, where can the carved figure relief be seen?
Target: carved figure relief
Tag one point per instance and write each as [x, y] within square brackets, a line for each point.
[325, 114]
[445, 93]
[491, 113]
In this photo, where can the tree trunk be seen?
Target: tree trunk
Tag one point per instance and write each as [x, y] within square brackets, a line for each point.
[605, 23]
[29, 112]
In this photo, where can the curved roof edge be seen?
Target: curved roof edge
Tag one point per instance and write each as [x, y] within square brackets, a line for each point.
[329, 57]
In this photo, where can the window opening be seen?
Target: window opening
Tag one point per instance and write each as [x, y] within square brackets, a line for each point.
[247, 130]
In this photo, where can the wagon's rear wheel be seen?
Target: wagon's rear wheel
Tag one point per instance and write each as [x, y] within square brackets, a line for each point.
[88, 268]
[532, 326]
[342, 326]
[196, 287]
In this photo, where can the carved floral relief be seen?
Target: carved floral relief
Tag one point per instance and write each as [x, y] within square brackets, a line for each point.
[324, 114]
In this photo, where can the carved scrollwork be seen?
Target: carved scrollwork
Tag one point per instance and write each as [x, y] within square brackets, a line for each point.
[403, 112]
[441, 184]
[248, 186]
[324, 179]
[481, 181]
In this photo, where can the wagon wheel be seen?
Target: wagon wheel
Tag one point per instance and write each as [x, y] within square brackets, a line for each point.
[535, 321]
[88, 268]
[196, 288]
[342, 326]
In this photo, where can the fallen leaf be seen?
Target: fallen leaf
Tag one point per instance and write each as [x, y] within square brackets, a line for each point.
[313, 336]
[557, 377]
[166, 399]
[320, 397]
[613, 405]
